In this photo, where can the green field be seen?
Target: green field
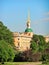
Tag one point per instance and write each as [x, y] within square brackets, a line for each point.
[23, 63]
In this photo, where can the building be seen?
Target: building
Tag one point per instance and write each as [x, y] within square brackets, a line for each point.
[22, 40]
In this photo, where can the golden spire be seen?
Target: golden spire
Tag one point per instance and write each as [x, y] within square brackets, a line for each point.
[28, 21]
[28, 17]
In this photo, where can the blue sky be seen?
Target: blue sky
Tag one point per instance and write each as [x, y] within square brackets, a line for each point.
[14, 13]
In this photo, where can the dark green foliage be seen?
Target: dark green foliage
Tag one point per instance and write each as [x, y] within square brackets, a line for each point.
[47, 45]
[5, 34]
[42, 43]
[38, 43]
[34, 46]
[6, 42]
[45, 58]
[18, 57]
[35, 38]
[6, 51]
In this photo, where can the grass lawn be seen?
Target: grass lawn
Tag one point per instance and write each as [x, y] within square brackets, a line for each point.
[23, 63]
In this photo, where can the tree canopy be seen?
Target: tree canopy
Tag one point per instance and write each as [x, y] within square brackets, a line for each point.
[38, 42]
[6, 43]
[6, 51]
[5, 33]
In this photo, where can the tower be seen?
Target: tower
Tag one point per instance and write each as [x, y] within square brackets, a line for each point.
[22, 40]
[28, 29]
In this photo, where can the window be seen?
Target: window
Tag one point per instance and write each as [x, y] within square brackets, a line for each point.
[29, 34]
[18, 44]
[27, 48]
[18, 39]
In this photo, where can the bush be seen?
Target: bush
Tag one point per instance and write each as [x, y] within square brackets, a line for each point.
[27, 56]
[44, 62]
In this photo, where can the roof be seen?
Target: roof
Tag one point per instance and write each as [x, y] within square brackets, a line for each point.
[28, 30]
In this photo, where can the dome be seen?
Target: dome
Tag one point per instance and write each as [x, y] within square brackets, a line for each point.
[28, 30]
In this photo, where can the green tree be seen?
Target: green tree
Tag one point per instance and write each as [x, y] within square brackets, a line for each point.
[5, 33]
[34, 46]
[6, 44]
[42, 43]
[38, 41]
[35, 38]
[6, 51]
